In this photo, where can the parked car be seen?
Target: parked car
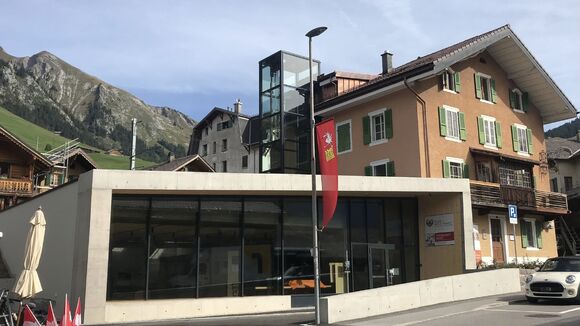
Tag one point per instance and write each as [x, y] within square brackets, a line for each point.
[558, 278]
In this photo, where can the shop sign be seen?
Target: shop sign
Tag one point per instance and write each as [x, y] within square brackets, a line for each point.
[439, 230]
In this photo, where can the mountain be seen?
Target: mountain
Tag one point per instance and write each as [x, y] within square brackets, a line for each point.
[58, 96]
[567, 130]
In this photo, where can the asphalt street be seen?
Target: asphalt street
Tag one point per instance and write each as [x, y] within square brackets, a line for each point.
[500, 310]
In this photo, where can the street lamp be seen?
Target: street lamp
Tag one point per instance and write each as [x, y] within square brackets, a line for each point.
[313, 33]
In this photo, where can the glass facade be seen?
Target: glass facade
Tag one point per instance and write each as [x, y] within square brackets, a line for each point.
[208, 246]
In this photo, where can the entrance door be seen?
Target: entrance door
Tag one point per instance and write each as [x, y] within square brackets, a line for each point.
[378, 266]
[497, 240]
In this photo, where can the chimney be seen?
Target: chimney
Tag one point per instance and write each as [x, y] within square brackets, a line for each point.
[170, 157]
[238, 107]
[387, 62]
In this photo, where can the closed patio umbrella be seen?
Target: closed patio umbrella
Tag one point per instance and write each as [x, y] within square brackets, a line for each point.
[28, 283]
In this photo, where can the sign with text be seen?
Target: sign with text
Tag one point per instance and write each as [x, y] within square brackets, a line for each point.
[439, 230]
[513, 214]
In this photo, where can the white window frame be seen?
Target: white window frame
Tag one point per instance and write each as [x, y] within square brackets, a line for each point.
[519, 100]
[531, 246]
[349, 122]
[447, 123]
[491, 121]
[371, 115]
[489, 91]
[378, 163]
[448, 77]
[525, 131]
[456, 161]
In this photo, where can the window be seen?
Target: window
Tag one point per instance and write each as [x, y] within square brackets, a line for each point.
[515, 175]
[554, 184]
[484, 171]
[531, 232]
[344, 137]
[224, 145]
[206, 130]
[224, 166]
[4, 170]
[489, 132]
[518, 100]
[214, 147]
[204, 151]
[455, 168]
[451, 81]
[377, 127]
[485, 88]
[522, 139]
[452, 123]
[381, 168]
[568, 183]
[245, 162]
[224, 125]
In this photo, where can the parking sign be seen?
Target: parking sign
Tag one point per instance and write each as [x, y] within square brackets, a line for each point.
[513, 214]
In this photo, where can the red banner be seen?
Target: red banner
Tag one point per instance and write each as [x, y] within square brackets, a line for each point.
[327, 157]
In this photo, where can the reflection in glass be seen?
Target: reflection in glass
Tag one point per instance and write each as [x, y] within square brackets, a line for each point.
[271, 128]
[294, 99]
[270, 75]
[298, 264]
[394, 237]
[219, 254]
[410, 236]
[296, 70]
[271, 156]
[271, 101]
[333, 246]
[375, 221]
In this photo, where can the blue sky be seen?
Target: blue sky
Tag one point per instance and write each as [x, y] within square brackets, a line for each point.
[194, 55]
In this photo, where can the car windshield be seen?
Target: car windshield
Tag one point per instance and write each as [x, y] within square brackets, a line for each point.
[561, 265]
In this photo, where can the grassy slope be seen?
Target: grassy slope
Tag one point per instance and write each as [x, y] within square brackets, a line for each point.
[38, 137]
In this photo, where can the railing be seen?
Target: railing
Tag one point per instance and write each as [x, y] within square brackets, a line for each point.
[565, 234]
[495, 195]
[14, 186]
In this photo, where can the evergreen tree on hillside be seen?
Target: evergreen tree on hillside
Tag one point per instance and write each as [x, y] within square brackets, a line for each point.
[566, 130]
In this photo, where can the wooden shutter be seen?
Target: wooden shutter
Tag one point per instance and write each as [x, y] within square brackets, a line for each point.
[442, 122]
[524, 233]
[343, 135]
[368, 170]
[525, 101]
[530, 145]
[465, 170]
[446, 169]
[477, 86]
[539, 229]
[481, 130]
[366, 121]
[493, 92]
[389, 124]
[462, 130]
[498, 138]
[390, 168]
[515, 142]
[513, 99]
[457, 79]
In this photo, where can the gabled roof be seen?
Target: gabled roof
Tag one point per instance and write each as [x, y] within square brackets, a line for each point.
[179, 163]
[81, 153]
[503, 45]
[213, 113]
[561, 148]
[39, 157]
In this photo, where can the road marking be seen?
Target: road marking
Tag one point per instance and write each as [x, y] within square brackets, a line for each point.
[433, 318]
[525, 311]
[569, 310]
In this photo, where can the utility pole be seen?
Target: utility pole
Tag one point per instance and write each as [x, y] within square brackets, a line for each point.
[134, 144]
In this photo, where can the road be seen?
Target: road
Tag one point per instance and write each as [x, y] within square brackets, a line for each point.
[502, 310]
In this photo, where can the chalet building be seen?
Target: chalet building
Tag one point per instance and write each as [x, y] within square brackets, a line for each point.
[190, 163]
[472, 110]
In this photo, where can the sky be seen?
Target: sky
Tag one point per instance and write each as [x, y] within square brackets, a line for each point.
[194, 55]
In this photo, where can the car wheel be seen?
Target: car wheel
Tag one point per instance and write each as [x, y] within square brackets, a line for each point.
[531, 300]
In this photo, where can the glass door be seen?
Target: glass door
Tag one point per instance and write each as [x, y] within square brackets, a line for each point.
[378, 266]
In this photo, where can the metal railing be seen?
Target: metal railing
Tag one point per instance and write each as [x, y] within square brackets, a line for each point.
[566, 234]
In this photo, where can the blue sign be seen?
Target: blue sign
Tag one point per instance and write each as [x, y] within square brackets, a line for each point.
[513, 214]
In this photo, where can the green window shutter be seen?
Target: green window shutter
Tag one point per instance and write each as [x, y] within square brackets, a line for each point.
[343, 135]
[457, 82]
[465, 169]
[493, 92]
[498, 138]
[525, 101]
[446, 169]
[481, 130]
[390, 168]
[442, 122]
[368, 170]
[530, 144]
[515, 142]
[524, 234]
[462, 130]
[477, 86]
[539, 234]
[389, 123]
[512, 99]
[366, 121]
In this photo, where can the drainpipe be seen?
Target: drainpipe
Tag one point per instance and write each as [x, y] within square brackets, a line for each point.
[425, 136]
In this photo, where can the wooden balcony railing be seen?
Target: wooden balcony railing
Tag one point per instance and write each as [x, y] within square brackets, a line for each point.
[495, 195]
[16, 186]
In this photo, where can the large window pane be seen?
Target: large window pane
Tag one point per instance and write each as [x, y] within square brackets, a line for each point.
[375, 221]
[127, 248]
[219, 240]
[298, 264]
[333, 246]
[262, 247]
[394, 240]
[271, 101]
[270, 75]
[271, 156]
[410, 236]
[172, 248]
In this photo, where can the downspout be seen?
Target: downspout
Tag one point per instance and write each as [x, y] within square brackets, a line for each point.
[425, 136]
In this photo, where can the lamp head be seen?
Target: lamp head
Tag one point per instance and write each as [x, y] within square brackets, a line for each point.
[316, 31]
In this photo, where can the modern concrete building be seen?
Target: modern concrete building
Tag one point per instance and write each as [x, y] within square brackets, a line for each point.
[145, 245]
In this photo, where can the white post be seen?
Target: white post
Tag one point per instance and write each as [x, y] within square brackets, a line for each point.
[134, 144]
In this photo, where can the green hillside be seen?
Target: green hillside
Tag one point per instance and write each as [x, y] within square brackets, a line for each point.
[38, 138]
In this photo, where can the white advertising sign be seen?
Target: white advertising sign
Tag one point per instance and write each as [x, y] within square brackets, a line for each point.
[439, 230]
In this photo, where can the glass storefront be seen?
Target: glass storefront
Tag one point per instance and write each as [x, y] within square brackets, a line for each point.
[208, 246]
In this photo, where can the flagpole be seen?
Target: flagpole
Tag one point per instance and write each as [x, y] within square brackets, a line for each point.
[315, 32]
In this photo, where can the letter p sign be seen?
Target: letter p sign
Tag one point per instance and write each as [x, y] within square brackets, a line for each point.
[513, 214]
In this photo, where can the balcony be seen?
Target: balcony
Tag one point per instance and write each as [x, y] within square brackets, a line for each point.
[495, 195]
[15, 187]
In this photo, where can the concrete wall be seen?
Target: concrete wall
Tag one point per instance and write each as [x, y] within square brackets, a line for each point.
[395, 298]
[56, 264]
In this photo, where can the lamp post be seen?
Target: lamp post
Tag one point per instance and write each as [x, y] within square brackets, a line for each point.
[313, 33]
